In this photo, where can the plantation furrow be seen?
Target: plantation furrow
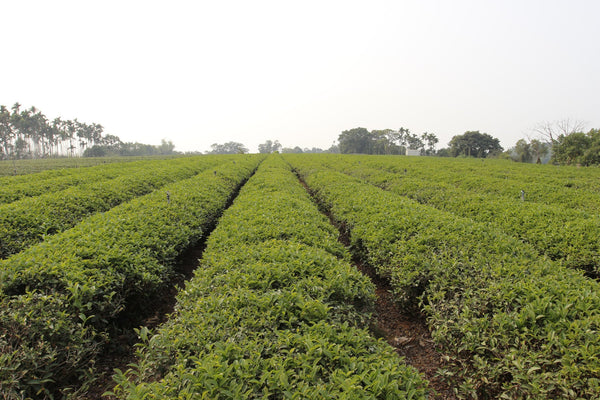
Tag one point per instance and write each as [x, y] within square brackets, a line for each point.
[511, 324]
[64, 300]
[31, 220]
[405, 331]
[563, 234]
[156, 312]
[275, 311]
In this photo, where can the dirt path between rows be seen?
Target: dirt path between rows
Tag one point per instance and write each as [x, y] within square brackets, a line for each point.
[408, 334]
[405, 332]
[121, 350]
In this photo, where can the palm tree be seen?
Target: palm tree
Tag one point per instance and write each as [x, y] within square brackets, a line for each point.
[7, 133]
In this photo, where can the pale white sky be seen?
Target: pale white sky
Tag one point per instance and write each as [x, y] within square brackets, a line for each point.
[200, 72]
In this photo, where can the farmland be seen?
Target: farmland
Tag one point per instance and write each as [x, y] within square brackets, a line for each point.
[500, 260]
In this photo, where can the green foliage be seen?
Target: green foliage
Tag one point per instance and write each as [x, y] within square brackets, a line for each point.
[560, 221]
[474, 144]
[533, 151]
[14, 188]
[228, 148]
[269, 147]
[14, 169]
[274, 311]
[30, 220]
[73, 290]
[511, 324]
[577, 148]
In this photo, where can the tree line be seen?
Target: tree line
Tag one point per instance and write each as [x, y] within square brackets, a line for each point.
[562, 142]
[402, 141]
[28, 133]
[386, 141]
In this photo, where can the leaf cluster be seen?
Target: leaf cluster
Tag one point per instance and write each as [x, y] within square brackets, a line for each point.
[61, 300]
[274, 311]
[511, 323]
[554, 227]
[32, 219]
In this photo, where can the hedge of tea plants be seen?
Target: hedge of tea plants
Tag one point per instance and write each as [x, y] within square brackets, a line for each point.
[63, 299]
[30, 220]
[559, 231]
[274, 311]
[511, 323]
[14, 168]
[14, 188]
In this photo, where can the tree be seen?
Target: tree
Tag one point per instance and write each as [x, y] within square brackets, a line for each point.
[355, 141]
[521, 152]
[474, 144]
[312, 150]
[414, 142]
[166, 147]
[552, 130]
[228, 148]
[295, 150]
[7, 133]
[539, 149]
[333, 149]
[430, 140]
[577, 148]
[269, 147]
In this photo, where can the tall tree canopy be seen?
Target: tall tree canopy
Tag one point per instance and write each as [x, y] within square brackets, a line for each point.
[228, 148]
[533, 151]
[269, 147]
[29, 134]
[474, 144]
[577, 148]
[385, 141]
[356, 141]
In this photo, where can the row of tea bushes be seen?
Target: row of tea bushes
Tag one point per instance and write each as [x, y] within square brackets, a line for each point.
[566, 187]
[511, 325]
[275, 311]
[13, 169]
[61, 300]
[30, 220]
[561, 233]
[18, 187]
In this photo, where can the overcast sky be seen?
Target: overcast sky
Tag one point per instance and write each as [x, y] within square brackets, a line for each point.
[203, 72]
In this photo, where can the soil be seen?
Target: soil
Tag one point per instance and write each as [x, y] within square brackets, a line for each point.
[405, 332]
[122, 352]
[122, 349]
[408, 334]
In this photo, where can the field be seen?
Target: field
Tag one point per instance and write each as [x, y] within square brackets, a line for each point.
[253, 276]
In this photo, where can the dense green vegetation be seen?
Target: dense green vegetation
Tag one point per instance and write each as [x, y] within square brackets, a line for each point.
[60, 175]
[274, 311]
[30, 220]
[493, 253]
[56, 166]
[512, 324]
[63, 301]
[560, 221]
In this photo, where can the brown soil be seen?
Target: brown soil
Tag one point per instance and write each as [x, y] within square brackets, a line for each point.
[406, 332]
[122, 349]
[122, 352]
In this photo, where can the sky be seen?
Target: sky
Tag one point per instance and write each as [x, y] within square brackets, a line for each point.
[301, 72]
